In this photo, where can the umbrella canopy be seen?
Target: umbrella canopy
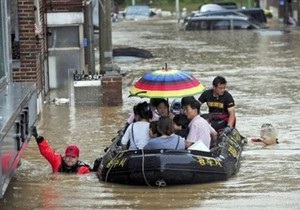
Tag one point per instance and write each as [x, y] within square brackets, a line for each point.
[166, 84]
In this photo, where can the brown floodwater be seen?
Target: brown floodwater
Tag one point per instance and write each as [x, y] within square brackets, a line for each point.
[262, 69]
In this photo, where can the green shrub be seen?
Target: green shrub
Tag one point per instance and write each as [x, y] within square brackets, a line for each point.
[169, 5]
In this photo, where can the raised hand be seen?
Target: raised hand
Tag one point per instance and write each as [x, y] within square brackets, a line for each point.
[34, 132]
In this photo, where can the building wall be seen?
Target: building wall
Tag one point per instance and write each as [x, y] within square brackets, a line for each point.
[30, 46]
[278, 9]
[32, 49]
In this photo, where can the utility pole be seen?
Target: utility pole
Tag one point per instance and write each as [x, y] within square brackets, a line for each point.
[111, 81]
[105, 37]
[89, 37]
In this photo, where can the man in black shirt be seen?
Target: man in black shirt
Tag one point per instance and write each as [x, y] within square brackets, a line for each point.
[220, 104]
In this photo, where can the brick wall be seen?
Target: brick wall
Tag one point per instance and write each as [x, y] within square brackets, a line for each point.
[112, 90]
[33, 50]
[65, 5]
[27, 42]
[29, 47]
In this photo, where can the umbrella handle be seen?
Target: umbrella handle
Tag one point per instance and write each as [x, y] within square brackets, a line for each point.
[136, 94]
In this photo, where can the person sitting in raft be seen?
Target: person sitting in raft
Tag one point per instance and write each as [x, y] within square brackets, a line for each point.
[201, 133]
[153, 131]
[69, 163]
[153, 104]
[268, 135]
[137, 133]
[167, 140]
[163, 109]
[181, 125]
[221, 105]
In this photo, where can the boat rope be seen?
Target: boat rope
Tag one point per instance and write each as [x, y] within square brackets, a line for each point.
[111, 166]
[143, 168]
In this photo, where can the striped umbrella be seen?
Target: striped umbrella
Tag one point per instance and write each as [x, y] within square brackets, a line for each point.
[166, 84]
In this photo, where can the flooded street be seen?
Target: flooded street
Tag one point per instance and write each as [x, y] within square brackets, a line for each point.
[262, 70]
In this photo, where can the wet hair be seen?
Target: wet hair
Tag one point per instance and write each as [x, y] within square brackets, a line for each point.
[155, 101]
[269, 133]
[181, 120]
[164, 101]
[219, 80]
[153, 128]
[143, 110]
[186, 99]
[165, 126]
[192, 102]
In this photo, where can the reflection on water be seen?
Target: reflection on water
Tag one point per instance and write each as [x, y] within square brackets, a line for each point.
[263, 77]
[121, 59]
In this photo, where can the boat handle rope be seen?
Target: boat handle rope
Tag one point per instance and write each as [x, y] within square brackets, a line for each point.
[108, 171]
[143, 168]
[143, 157]
[161, 183]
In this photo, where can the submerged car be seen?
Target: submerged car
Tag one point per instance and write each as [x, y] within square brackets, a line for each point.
[229, 7]
[221, 22]
[138, 12]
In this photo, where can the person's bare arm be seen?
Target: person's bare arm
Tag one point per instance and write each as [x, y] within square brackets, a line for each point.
[231, 119]
[188, 144]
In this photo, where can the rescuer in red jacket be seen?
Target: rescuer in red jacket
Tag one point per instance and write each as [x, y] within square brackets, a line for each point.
[69, 163]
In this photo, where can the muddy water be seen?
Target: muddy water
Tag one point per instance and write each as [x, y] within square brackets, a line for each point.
[262, 70]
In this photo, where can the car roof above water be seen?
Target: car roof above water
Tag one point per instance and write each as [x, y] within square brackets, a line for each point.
[225, 17]
[219, 12]
[218, 22]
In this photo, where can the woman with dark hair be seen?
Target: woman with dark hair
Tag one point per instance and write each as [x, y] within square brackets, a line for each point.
[153, 104]
[163, 108]
[181, 125]
[153, 131]
[167, 140]
[137, 133]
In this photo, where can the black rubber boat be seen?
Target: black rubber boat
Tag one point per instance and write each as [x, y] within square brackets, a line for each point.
[171, 167]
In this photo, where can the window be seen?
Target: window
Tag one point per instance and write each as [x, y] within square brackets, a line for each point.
[221, 24]
[198, 25]
[15, 46]
[242, 24]
[63, 37]
[4, 48]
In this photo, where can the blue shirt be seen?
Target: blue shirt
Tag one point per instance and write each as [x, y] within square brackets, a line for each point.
[170, 142]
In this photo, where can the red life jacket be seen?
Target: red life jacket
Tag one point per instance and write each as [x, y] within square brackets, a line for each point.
[57, 163]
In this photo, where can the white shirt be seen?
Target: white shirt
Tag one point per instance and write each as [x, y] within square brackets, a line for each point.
[200, 130]
[140, 136]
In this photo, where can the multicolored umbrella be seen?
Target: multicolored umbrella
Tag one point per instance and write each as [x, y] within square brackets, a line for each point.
[166, 84]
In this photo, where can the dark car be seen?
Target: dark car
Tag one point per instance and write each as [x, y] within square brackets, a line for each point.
[213, 13]
[221, 22]
[256, 13]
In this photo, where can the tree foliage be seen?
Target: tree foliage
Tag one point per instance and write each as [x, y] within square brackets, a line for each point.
[168, 2]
